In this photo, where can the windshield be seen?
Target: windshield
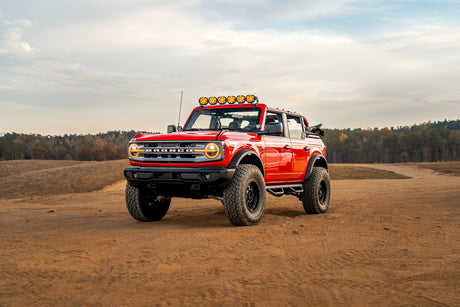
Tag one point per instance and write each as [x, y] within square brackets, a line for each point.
[236, 119]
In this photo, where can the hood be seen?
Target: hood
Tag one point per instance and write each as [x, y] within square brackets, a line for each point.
[179, 136]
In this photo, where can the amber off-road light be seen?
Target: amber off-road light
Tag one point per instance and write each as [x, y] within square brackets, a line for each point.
[134, 150]
[212, 100]
[240, 98]
[211, 150]
[250, 98]
[231, 99]
[222, 99]
[203, 101]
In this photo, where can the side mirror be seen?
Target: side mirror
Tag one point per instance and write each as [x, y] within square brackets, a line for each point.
[273, 128]
[315, 130]
[171, 128]
[318, 131]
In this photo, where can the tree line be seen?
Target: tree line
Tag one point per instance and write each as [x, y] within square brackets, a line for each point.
[428, 142]
[103, 146]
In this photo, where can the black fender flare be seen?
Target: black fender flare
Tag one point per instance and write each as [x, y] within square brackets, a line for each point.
[247, 153]
[316, 159]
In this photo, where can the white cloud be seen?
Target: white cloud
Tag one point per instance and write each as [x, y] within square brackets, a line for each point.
[11, 37]
[101, 71]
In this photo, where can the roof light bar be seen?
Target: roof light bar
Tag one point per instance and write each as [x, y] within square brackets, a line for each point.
[229, 99]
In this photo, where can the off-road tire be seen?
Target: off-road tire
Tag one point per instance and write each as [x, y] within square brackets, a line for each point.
[142, 205]
[316, 193]
[244, 198]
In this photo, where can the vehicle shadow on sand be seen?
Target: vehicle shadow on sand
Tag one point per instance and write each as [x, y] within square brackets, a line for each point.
[210, 217]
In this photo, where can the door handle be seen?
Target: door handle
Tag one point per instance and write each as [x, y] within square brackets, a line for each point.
[287, 147]
[306, 148]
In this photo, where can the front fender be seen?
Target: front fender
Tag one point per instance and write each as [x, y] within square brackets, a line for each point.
[247, 155]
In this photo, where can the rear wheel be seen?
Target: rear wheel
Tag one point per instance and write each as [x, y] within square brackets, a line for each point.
[143, 205]
[316, 193]
[244, 198]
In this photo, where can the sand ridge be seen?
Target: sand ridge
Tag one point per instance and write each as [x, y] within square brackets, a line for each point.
[409, 170]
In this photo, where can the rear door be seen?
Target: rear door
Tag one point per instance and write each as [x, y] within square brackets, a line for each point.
[300, 149]
[277, 153]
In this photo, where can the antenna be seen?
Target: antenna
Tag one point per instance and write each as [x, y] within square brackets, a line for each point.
[180, 107]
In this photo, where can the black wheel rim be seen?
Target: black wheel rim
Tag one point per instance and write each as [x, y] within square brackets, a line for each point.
[150, 200]
[322, 192]
[252, 196]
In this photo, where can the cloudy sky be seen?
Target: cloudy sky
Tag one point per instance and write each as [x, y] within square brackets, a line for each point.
[90, 66]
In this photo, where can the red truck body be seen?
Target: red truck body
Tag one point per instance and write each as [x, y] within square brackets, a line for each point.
[217, 141]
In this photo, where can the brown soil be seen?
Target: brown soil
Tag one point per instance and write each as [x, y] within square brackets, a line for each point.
[383, 242]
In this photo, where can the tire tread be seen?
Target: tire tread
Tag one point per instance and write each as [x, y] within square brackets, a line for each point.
[138, 208]
[234, 196]
[309, 196]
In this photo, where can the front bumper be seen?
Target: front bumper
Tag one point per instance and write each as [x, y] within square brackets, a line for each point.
[180, 181]
[178, 174]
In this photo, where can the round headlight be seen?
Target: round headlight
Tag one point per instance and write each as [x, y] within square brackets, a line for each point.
[211, 150]
[134, 150]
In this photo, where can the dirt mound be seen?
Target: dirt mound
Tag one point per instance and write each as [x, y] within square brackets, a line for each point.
[42, 177]
[404, 170]
[363, 171]
[451, 168]
[15, 167]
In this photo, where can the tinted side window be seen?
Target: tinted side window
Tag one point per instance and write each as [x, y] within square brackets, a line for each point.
[273, 118]
[295, 126]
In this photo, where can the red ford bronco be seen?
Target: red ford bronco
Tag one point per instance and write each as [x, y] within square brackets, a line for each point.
[232, 149]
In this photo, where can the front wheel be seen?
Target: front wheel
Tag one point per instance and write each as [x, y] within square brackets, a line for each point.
[244, 198]
[143, 206]
[316, 193]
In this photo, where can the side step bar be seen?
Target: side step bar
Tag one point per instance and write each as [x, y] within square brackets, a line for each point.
[281, 189]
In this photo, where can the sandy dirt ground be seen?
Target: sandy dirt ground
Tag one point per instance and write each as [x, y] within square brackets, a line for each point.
[383, 242]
